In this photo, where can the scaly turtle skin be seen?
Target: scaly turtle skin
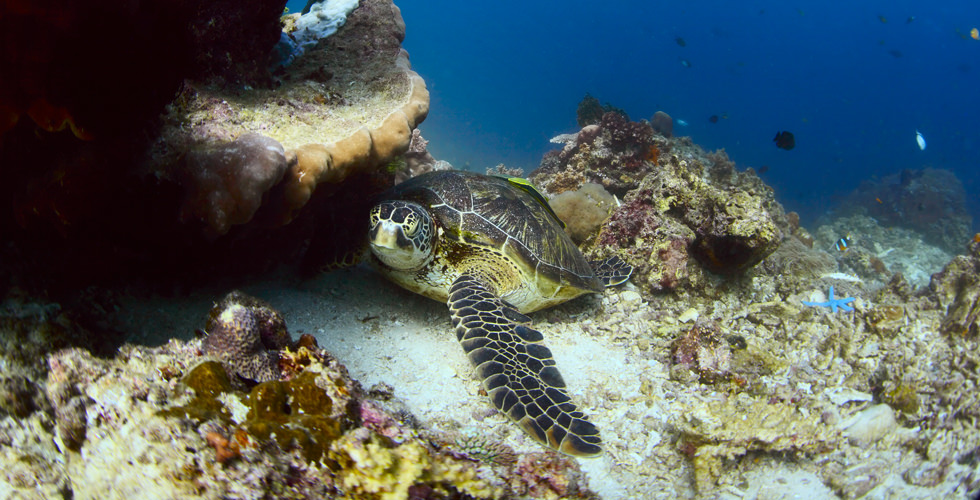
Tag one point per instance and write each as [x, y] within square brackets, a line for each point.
[492, 249]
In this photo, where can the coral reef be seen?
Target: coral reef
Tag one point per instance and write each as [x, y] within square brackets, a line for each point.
[224, 156]
[957, 289]
[676, 217]
[167, 422]
[931, 202]
[876, 253]
[590, 111]
[245, 333]
[79, 74]
[416, 161]
[583, 210]
[684, 212]
[663, 124]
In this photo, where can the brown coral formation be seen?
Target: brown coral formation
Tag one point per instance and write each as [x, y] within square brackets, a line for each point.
[957, 289]
[683, 214]
[224, 184]
[583, 210]
[246, 334]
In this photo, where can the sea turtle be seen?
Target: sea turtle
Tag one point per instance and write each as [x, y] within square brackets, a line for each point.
[492, 249]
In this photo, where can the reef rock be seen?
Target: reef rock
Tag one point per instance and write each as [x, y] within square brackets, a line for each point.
[931, 202]
[221, 170]
[957, 289]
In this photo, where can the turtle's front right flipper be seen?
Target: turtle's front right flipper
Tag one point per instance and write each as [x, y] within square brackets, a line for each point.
[518, 371]
[612, 271]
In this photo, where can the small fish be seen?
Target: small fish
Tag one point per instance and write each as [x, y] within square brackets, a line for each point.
[680, 41]
[685, 63]
[895, 53]
[843, 244]
[784, 140]
[763, 169]
[910, 19]
[713, 118]
[680, 122]
[883, 19]
[975, 34]
[921, 140]
[878, 200]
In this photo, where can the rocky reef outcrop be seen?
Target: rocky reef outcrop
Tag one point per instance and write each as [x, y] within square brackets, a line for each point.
[208, 158]
[684, 212]
[176, 421]
[929, 201]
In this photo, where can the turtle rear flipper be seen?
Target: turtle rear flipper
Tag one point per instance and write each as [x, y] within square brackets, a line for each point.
[518, 371]
[612, 271]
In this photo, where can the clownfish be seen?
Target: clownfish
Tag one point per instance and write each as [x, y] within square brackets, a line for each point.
[843, 244]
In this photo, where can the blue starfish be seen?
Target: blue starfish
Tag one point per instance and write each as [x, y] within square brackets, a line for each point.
[833, 303]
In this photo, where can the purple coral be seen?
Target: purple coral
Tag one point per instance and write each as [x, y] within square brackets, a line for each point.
[704, 351]
[225, 185]
[245, 333]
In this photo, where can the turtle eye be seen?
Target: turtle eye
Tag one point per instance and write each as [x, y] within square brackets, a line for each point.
[411, 225]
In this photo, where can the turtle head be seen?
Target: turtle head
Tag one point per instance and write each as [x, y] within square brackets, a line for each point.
[402, 234]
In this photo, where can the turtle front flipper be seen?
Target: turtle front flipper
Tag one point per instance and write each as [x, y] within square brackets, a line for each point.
[612, 271]
[518, 371]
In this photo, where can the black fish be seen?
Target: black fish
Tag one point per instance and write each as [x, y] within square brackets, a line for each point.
[713, 118]
[895, 53]
[680, 41]
[784, 140]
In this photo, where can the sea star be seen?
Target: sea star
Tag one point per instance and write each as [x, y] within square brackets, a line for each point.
[833, 303]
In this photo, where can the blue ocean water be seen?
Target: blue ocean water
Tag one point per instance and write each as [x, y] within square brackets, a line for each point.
[853, 81]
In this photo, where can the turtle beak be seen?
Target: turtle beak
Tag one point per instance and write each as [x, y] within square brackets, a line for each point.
[385, 235]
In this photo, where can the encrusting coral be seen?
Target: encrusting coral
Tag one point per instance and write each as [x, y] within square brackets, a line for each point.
[583, 210]
[684, 212]
[246, 334]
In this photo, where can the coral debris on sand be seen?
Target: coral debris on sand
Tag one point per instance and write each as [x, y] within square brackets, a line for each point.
[169, 422]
